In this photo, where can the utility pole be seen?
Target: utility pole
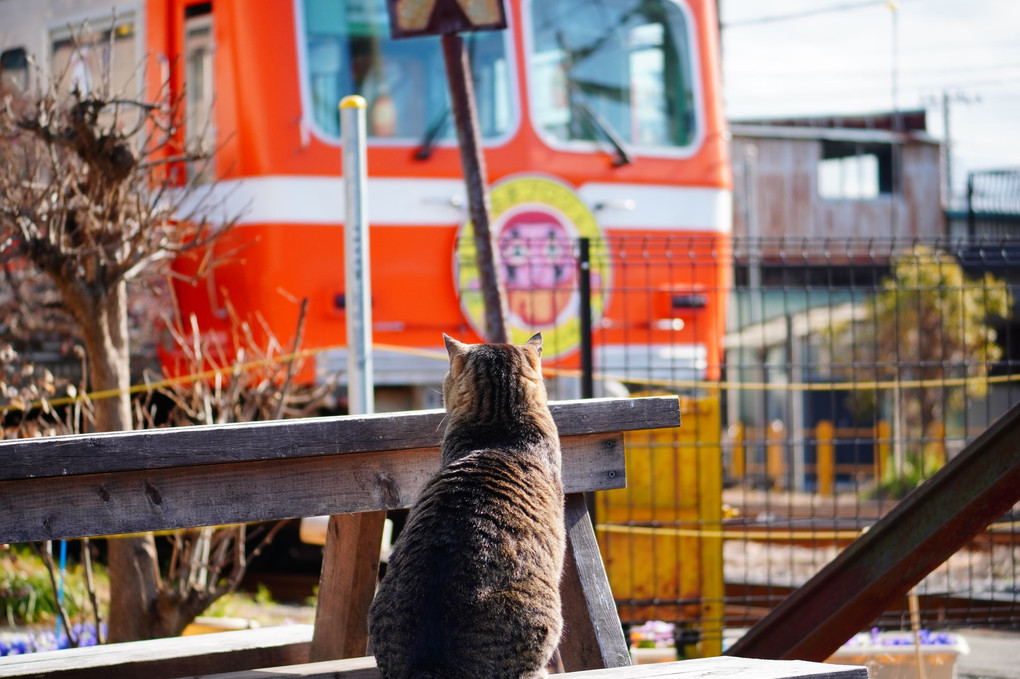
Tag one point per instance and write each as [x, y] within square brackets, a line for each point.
[897, 120]
[947, 166]
[719, 29]
[947, 143]
[945, 100]
[894, 7]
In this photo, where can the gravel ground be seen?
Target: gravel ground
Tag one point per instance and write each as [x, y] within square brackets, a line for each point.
[993, 655]
[964, 572]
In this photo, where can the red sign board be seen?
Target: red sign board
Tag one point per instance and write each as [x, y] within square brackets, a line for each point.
[409, 18]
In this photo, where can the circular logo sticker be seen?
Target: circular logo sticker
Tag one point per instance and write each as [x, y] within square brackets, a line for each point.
[537, 223]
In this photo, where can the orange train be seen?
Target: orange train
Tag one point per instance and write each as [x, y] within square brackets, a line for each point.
[599, 119]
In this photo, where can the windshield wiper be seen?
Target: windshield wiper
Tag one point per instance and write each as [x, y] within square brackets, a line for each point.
[428, 140]
[605, 129]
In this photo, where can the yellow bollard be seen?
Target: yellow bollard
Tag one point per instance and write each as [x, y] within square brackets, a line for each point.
[883, 447]
[936, 442]
[825, 457]
[738, 454]
[775, 454]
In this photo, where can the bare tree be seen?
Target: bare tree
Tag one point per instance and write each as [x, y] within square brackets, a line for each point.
[242, 380]
[94, 193]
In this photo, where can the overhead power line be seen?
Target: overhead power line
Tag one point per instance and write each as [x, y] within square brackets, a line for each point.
[758, 70]
[841, 7]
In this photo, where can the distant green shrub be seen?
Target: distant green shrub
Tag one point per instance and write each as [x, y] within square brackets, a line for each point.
[26, 592]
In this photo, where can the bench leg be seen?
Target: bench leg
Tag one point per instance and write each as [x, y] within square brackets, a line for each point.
[350, 566]
[592, 634]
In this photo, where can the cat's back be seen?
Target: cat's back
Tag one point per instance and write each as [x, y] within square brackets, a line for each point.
[473, 585]
[483, 526]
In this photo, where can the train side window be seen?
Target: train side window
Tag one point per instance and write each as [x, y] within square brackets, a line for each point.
[199, 122]
[14, 69]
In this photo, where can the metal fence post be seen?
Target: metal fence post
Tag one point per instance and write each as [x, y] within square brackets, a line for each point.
[350, 560]
[584, 291]
[357, 272]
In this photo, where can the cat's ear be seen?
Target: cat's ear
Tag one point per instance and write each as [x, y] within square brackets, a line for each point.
[453, 347]
[536, 342]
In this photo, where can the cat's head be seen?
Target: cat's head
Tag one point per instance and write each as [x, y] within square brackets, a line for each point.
[476, 369]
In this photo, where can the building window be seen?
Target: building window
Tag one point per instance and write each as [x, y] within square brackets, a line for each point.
[199, 124]
[14, 70]
[106, 58]
[852, 171]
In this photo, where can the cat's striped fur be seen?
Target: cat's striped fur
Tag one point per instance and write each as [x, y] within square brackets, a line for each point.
[472, 587]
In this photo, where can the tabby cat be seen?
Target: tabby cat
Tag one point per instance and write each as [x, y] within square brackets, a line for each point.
[472, 587]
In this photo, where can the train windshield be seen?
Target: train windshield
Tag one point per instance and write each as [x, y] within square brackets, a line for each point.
[349, 51]
[605, 68]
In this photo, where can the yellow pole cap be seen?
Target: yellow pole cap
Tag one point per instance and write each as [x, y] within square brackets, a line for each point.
[353, 101]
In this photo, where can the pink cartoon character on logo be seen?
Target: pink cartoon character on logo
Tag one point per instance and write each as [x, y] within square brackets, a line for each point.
[539, 267]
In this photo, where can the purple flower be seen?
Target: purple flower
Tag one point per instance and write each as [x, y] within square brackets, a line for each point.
[33, 642]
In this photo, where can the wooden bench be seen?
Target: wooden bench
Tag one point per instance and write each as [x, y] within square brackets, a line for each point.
[352, 468]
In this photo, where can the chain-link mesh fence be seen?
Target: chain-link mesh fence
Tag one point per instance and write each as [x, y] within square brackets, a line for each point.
[820, 382]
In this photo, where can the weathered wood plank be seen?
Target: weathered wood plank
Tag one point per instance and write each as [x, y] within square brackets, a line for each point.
[287, 439]
[593, 636]
[350, 567]
[168, 658]
[714, 668]
[125, 502]
[705, 668]
[349, 668]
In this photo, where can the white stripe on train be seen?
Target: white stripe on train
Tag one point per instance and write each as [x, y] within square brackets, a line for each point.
[440, 202]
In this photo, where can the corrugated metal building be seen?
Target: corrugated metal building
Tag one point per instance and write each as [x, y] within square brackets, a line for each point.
[836, 177]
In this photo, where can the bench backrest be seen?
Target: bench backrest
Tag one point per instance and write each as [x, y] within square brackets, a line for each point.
[124, 482]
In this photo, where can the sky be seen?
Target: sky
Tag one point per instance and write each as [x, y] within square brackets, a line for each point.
[806, 57]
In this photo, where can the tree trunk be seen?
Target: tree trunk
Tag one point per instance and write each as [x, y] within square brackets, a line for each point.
[133, 569]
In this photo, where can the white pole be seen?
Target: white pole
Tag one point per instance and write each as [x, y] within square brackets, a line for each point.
[358, 288]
